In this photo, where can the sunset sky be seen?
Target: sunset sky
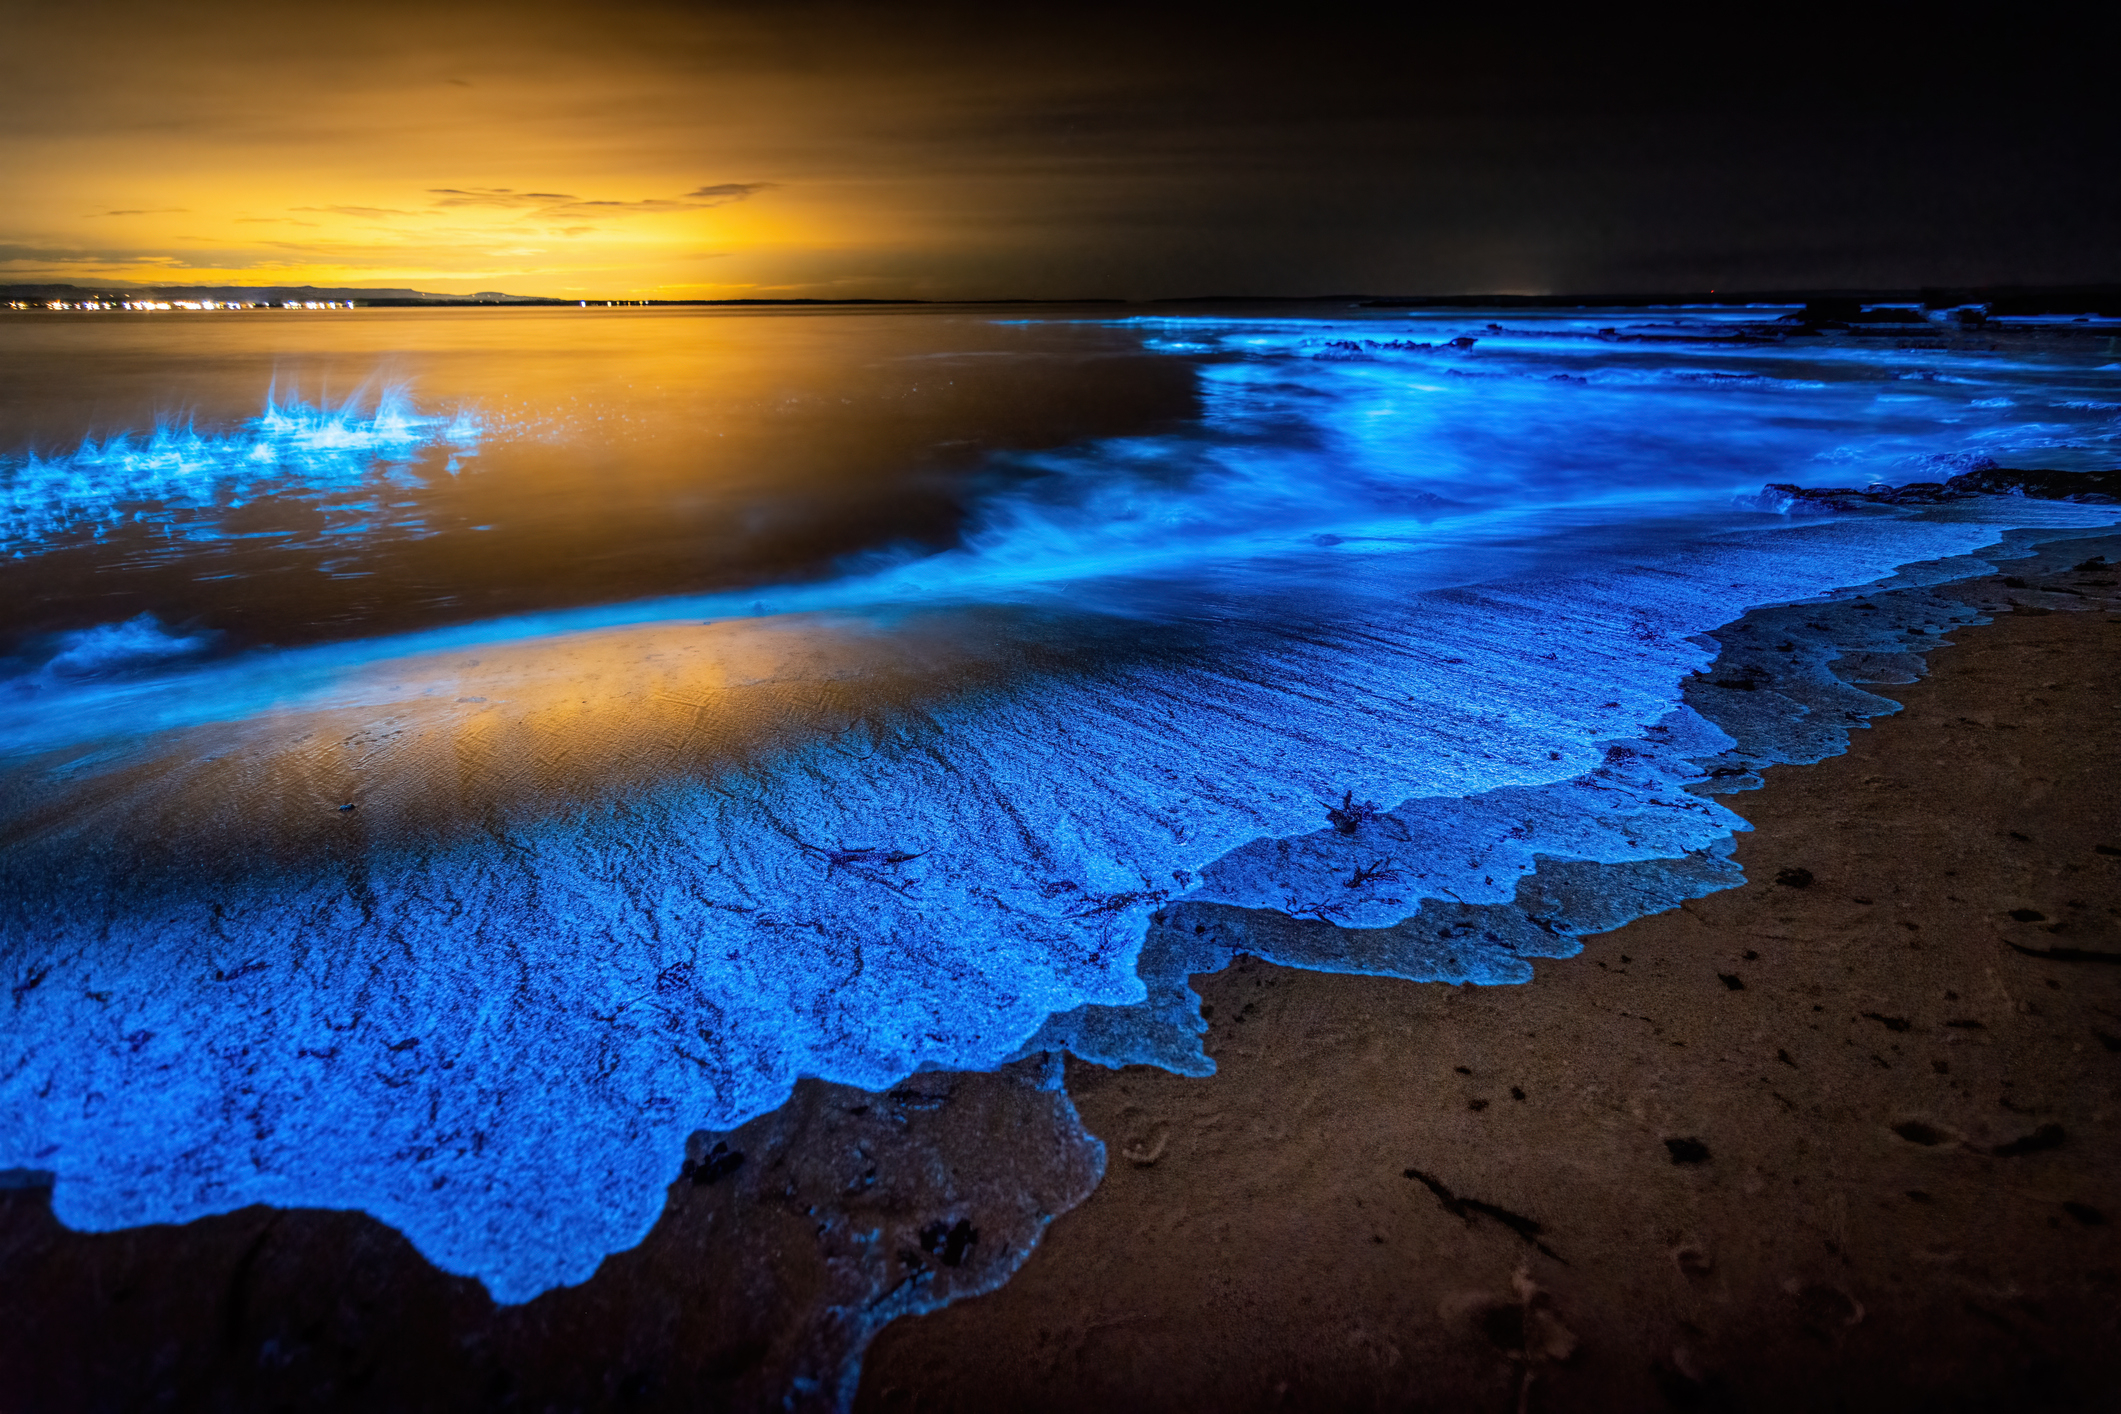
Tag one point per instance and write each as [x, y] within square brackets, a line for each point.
[941, 151]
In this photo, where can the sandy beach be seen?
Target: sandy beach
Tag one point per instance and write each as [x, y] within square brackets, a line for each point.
[935, 708]
[1844, 1137]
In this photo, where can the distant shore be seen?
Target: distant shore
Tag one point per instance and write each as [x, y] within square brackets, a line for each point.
[1999, 301]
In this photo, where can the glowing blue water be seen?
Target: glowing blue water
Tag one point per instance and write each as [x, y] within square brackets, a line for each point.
[339, 457]
[900, 818]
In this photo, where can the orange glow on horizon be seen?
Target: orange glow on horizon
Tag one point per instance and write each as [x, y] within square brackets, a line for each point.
[549, 154]
[946, 150]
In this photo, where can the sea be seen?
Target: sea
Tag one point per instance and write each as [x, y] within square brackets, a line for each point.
[449, 756]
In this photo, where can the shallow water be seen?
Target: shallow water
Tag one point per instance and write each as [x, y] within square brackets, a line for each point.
[722, 698]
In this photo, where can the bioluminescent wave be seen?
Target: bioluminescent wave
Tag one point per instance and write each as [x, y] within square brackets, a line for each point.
[469, 927]
[185, 481]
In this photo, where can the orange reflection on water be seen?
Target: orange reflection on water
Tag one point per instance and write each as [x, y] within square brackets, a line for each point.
[430, 749]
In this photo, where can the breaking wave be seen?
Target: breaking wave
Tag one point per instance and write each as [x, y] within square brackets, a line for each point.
[397, 924]
[181, 479]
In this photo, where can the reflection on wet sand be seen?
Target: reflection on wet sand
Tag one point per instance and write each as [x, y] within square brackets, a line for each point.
[780, 1252]
[420, 751]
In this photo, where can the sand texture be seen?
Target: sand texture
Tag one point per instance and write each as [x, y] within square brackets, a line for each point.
[1846, 1137]
[782, 1246]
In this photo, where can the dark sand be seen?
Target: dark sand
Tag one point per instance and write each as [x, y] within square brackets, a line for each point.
[1845, 1143]
[1849, 1140]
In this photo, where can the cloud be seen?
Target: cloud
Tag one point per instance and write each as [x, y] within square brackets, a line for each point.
[372, 213]
[140, 211]
[650, 206]
[728, 191]
[59, 255]
[497, 196]
[556, 205]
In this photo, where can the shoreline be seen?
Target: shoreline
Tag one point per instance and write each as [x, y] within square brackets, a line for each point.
[1846, 1135]
[668, 1323]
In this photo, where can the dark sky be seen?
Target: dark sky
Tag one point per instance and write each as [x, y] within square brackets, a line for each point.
[968, 150]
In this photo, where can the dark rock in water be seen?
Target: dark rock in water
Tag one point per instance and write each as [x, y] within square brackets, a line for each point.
[1841, 313]
[785, 1246]
[1827, 311]
[2039, 484]
[2088, 487]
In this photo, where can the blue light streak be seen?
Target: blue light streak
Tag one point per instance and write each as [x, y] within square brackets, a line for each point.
[182, 479]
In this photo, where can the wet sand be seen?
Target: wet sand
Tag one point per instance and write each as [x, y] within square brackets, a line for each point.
[1847, 1137]
[1843, 1137]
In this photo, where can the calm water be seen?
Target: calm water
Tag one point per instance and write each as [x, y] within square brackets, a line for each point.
[442, 744]
[579, 456]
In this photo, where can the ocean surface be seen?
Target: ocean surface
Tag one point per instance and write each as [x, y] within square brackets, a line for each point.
[447, 757]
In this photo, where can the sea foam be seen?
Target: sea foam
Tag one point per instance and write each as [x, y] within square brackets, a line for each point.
[1384, 637]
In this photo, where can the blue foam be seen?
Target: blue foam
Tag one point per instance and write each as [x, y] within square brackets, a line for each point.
[620, 873]
[182, 479]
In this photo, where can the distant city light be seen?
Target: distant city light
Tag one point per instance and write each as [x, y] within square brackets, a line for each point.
[148, 305]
